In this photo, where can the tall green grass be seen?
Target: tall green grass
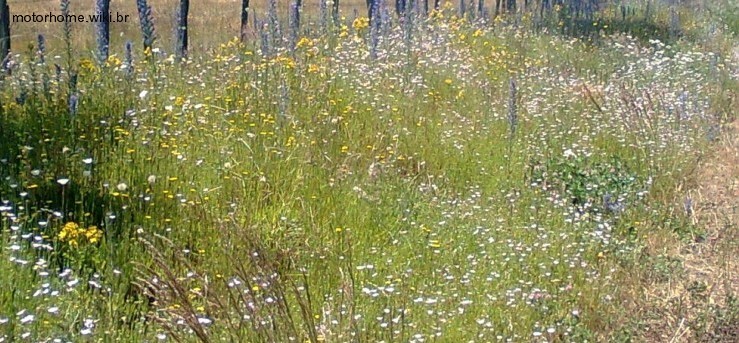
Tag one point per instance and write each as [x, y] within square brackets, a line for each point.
[327, 194]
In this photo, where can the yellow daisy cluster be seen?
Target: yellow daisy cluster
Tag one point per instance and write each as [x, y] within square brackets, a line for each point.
[285, 61]
[360, 23]
[304, 42]
[73, 233]
[113, 61]
[87, 66]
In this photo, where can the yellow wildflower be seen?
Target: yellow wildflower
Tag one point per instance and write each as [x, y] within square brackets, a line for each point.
[93, 234]
[72, 232]
[113, 61]
[87, 66]
[304, 42]
[69, 232]
[360, 23]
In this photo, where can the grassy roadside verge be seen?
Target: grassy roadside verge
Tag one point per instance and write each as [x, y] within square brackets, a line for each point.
[474, 182]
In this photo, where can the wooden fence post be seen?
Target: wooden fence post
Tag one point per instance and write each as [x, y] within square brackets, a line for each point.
[182, 41]
[102, 34]
[4, 30]
[244, 20]
[336, 12]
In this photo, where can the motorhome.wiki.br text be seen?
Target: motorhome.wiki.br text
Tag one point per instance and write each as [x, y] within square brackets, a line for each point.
[109, 17]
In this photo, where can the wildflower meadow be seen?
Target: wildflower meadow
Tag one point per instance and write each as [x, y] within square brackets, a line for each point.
[407, 171]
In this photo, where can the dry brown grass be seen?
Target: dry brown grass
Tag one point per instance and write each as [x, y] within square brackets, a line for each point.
[686, 290]
[685, 305]
[211, 21]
